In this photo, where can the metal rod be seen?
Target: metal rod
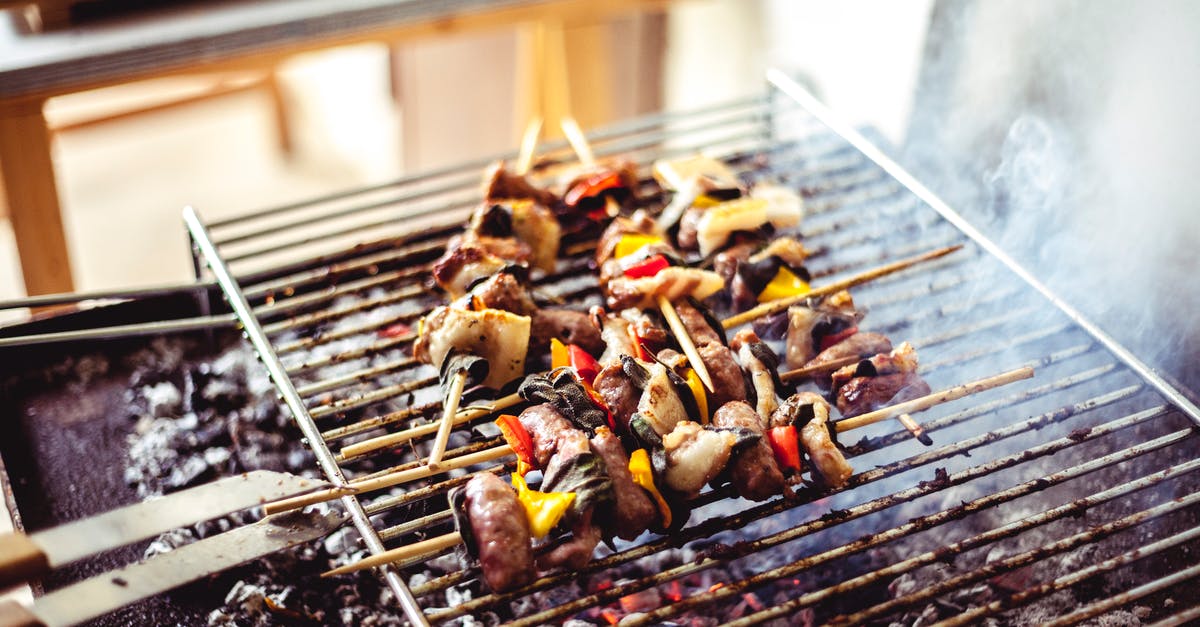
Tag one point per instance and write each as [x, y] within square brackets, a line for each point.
[123, 330]
[1108, 603]
[283, 383]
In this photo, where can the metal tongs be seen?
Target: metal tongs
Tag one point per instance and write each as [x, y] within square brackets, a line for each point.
[27, 557]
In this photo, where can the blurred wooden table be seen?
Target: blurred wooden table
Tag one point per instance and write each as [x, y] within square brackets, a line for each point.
[197, 38]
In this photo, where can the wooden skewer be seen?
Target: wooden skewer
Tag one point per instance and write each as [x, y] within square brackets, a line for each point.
[529, 142]
[392, 439]
[446, 425]
[776, 306]
[937, 398]
[399, 554]
[808, 371]
[388, 480]
[915, 429]
[685, 341]
[578, 141]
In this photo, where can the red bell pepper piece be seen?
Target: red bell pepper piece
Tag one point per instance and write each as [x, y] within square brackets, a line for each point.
[592, 186]
[785, 444]
[584, 364]
[649, 266]
[830, 340]
[639, 346]
[518, 438]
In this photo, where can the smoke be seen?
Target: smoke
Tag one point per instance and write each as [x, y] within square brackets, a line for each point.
[1066, 131]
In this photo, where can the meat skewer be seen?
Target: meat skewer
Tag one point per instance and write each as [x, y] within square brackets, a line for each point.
[837, 286]
[817, 441]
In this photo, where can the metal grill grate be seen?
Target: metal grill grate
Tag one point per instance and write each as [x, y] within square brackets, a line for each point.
[1080, 480]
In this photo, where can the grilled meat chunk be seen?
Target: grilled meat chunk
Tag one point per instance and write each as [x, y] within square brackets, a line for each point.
[659, 403]
[674, 283]
[631, 512]
[863, 394]
[502, 291]
[728, 383]
[827, 460]
[571, 327]
[616, 334]
[811, 323]
[461, 266]
[546, 426]
[796, 410]
[498, 336]
[902, 359]
[524, 221]
[857, 345]
[500, 184]
[501, 532]
[699, 328]
[760, 363]
[753, 470]
[695, 456]
[619, 394]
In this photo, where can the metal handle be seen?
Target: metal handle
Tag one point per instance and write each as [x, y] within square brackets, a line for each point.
[13, 614]
[20, 560]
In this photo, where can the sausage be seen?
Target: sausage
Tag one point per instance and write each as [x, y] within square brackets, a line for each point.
[501, 532]
[631, 512]
[728, 383]
[754, 473]
[546, 427]
[620, 396]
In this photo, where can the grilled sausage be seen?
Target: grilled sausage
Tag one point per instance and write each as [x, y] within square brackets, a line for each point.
[501, 532]
[631, 511]
[754, 473]
[546, 426]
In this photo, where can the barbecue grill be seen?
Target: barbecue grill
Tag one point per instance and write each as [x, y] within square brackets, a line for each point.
[1053, 500]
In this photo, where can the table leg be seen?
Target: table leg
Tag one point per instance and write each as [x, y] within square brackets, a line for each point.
[28, 172]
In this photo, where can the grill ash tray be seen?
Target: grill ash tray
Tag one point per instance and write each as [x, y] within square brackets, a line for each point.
[66, 418]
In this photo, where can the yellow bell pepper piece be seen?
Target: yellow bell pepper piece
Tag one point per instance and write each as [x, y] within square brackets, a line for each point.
[785, 284]
[704, 201]
[697, 387]
[643, 475]
[629, 244]
[543, 509]
[558, 354]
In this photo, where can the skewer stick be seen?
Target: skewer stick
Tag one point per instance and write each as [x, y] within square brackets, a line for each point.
[937, 398]
[529, 142]
[446, 425]
[578, 141]
[685, 341]
[392, 439]
[915, 429]
[808, 371]
[388, 480]
[776, 306]
[399, 554]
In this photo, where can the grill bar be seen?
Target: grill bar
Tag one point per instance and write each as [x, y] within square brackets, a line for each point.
[1028, 557]
[1095, 609]
[267, 354]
